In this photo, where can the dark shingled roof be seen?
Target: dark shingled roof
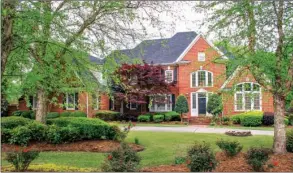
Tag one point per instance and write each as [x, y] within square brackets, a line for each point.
[161, 50]
[96, 60]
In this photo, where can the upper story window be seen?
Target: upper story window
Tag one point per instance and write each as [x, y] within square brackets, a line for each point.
[132, 79]
[201, 78]
[201, 56]
[70, 101]
[247, 97]
[169, 76]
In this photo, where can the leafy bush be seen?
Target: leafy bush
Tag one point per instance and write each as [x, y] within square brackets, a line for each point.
[5, 135]
[286, 121]
[231, 148]
[289, 140]
[17, 113]
[201, 158]
[78, 114]
[179, 160]
[144, 118]
[69, 134]
[89, 128]
[13, 121]
[38, 131]
[53, 134]
[20, 135]
[215, 105]
[257, 157]
[226, 120]
[123, 159]
[158, 118]
[21, 159]
[172, 116]
[237, 119]
[65, 114]
[107, 115]
[290, 118]
[181, 105]
[268, 118]
[26, 114]
[136, 141]
[52, 115]
[251, 120]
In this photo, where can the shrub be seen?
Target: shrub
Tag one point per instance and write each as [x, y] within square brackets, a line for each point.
[65, 114]
[20, 135]
[215, 105]
[144, 118]
[5, 135]
[179, 160]
[21, 159]
[38, 131]
[251, 119]
[286, 121]
[290, 118]
[78, 114]
[236, 119]
[107, 115]
[181, 105]
[172, 116]
[52, 115]
[54, 134]
[13, 121]
[26, 114]
[158, 118]
[136, 141]
[257, 157]
[268, 118]
[226, 120]
[201, 158]
[289, 140]
[123, 159]
[69, 134]
[231, 148]
[17, 113]
[89, 128]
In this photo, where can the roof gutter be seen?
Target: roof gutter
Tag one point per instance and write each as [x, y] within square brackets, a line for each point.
[174, 63]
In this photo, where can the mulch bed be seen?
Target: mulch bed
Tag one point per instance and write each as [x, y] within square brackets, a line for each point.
[283, 163]
[102, 146]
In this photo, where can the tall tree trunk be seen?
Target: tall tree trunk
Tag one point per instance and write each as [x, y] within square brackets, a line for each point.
[6, 31]
[279, 126]
[42, 106]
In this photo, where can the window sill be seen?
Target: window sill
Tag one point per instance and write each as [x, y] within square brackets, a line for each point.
[202, 87]
[70, 109]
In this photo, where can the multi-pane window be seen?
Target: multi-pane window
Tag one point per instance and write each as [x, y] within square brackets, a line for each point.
[161, 103]
[247, 97]
[96, 101]
[201, 78]
[169, 76]
[201, 56]
[35, 100]
[132, 105]
[70, 101]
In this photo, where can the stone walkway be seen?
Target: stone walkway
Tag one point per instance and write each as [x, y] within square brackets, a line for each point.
[198, 129]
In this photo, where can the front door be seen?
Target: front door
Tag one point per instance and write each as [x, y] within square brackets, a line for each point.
[202, 103]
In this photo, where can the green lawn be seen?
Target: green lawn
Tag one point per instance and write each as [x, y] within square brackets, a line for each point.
[154, 125]
[244, 128]
[160, 148]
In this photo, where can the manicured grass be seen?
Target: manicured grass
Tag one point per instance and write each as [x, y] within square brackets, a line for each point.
[244, 128]
[154, 125]
[160, 148]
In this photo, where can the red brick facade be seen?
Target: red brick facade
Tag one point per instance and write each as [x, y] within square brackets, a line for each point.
[183, 85]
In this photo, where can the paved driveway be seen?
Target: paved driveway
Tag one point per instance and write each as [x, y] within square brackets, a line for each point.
[198, 129]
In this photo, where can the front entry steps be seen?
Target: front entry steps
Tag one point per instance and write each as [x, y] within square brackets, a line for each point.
[200, 120]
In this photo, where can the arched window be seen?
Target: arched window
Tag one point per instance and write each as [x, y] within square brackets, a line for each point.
[201, 78]
[247, 96]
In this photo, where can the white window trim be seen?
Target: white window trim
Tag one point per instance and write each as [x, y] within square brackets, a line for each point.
[243, 92]
[206, 81]
[67, 108]
[98, 103]
[166, 105]
[198, 56]
[166, 71]
[34, 103]
[131, 104]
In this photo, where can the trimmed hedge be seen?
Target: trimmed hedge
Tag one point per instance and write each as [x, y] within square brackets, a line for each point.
[78, 114]
[107, 115]
[13, 121]
[158, 118]
[65, 114]
[26, 114]
[268, 118]
[172, 116]
[20, 131]
[236, 118]
[289, 140]
[52, 115]
[144, 118]
[252, 118]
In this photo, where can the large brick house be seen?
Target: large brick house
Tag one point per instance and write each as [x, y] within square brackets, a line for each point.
[190, 61]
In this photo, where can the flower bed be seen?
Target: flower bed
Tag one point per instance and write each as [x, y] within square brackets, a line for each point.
[237, 133]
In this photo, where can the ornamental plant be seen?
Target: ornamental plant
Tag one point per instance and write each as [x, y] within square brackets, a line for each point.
[257, 157]
[230, 148]
[123, 159]
[215, 105]
[181, 105]
[21, 158]
[200, 158]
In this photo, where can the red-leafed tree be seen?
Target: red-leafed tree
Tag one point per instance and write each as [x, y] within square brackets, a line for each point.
[137, 81]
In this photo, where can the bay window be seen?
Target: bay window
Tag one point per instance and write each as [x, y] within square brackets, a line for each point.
[161, 103]
[247, 97]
